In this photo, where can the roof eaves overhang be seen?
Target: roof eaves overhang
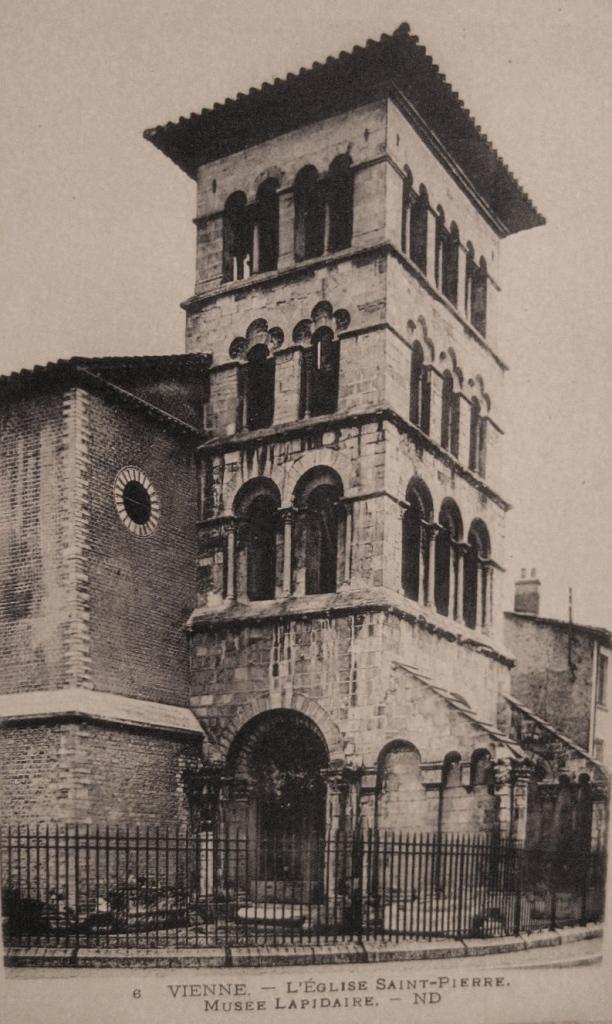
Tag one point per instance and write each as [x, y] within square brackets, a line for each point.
[396, 63]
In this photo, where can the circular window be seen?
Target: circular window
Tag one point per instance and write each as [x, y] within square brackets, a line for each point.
[136, 501]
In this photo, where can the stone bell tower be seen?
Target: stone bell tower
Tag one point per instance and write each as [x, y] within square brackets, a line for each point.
[346, 634]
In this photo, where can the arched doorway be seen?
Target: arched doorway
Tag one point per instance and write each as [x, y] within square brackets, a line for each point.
[277, 798]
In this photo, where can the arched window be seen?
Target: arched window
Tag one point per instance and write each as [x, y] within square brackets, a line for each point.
[237, 237]
[447, 409]
[318, 500]
[418, 229]
[309, 214]
[478, 439]
[267, 225]
[455, 424]
[475, 599]
[401, 797]
[448, 534]
[259, 388]
[325, 370]
[450, 268]
[420, 389]
[340, 198]
[447, 257]
[407, 198]
[474, 434]
[451, 793]
[478, 313]
[415, 546]
[482, 770]
[257, 511]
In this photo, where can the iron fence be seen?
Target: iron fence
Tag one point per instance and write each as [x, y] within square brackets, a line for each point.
[129, 887]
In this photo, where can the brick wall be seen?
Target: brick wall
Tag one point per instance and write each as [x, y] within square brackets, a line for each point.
[140, 587]
[56, 772]
[33, 593]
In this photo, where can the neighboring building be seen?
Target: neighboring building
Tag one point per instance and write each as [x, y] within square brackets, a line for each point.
[327, 456]
[561, 669]
[96, 569]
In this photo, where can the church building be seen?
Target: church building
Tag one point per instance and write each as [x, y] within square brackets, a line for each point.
[258, 585]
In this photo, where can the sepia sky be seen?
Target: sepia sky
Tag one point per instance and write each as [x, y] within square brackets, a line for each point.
[99, 244]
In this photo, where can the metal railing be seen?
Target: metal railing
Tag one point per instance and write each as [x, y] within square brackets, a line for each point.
[130, 887]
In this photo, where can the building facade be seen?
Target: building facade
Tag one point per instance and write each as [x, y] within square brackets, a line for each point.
[322, 470]
[560, 670]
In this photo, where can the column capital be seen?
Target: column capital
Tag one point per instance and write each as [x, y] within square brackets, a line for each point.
[521, 774]
[287, 513]
[503, 772]
[338, 778]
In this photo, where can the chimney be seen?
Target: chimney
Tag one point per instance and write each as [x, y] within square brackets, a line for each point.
[527, 593]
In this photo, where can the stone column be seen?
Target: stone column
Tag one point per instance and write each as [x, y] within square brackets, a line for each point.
[230, 560]
[367, 797]
[461, 279]
[480, 591]
[452, 581]
[431, 247]
[348, 541]
[286, 227]
[460, 555]
[327, 223]
[490, 590]
[503, 789]
[211, 815]
[520, 776]
[342, 872]
[428, 574]
[287, 517]
[307, 357]
[255, 257]
[511, 782]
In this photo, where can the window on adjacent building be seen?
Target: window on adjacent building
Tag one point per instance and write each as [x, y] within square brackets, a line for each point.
[598, 750]
[602, 679]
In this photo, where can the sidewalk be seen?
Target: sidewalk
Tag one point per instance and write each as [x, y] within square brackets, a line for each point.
[517, 950]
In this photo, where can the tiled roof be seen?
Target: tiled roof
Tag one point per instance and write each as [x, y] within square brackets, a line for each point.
[459, 705]
[547, 727]
[597, 632]
[89, 373]
[393, 65]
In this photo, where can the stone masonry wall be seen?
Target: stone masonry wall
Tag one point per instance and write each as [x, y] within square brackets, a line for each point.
[343, 665]
[542, 679]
